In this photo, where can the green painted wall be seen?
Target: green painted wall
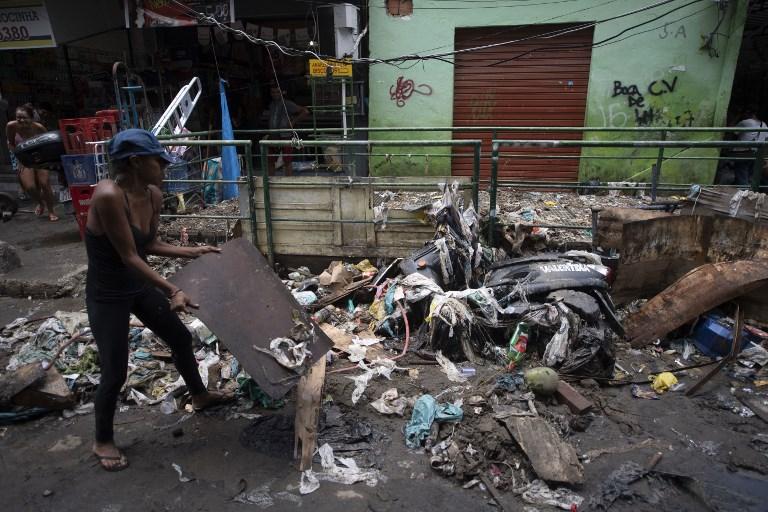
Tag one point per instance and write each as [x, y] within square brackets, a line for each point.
[654, 75]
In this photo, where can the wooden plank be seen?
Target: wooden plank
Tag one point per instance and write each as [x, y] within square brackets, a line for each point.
[341, 341]
[309, 395]
[553, 459]
[572, 398]
[246, 304]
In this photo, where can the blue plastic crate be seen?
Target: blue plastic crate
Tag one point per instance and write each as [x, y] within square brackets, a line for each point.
[713, 336]
[80, 169]
[177, 171]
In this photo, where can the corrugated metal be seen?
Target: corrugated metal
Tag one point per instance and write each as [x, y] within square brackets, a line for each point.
[546, 87]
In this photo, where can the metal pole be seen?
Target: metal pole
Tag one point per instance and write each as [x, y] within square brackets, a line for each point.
[492, 191]
[476, 177]
[267, 205]
[251, 193]
[757, 170]
[656, 173]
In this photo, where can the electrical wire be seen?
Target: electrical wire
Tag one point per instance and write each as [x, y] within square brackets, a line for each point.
[544, 36]
[413, 59]
[598, 43]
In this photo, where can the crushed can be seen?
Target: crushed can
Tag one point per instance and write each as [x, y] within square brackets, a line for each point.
[518, 344]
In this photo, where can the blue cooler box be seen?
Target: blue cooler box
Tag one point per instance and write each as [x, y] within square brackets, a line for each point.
[713, 336]
[80, 169]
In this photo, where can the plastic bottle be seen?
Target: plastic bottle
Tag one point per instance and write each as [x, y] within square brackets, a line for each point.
[323, 315]
[517, 345]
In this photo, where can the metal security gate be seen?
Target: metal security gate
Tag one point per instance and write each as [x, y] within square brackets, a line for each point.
[533, 82]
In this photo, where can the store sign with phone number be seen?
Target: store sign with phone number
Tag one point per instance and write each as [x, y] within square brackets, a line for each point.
[25, 25]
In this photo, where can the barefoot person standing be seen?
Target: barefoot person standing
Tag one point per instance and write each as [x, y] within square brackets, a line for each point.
[34, 181]
[121, 232]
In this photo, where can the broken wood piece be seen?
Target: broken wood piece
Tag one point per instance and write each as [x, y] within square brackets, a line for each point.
[575, 401]
[309, 395]
[345, 292]
[342, 341]
[162, 355]
[50, 392]
[702, 289]
[16, 381]
[552, 459]
[492, 491]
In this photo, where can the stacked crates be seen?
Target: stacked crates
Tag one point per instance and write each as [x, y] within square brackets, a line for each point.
[85, 163]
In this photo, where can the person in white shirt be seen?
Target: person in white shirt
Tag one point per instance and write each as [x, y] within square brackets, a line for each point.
[743, 168]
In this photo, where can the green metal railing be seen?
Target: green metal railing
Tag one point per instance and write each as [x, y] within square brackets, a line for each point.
[493, 183]
[496, 144]
[266, 144]
[248, 181]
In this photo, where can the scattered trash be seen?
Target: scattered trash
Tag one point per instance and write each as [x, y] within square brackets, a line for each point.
[425, 411]
[346, 473]
[539, 493]
[639, 392]
[389, 403]
[183, 479]
[453, 373]
[663, 381]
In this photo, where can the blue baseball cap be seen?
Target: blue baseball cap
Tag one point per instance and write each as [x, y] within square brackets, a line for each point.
[135, 141]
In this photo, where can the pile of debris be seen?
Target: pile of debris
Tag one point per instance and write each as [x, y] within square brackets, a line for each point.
[189, 227]
[54, 365]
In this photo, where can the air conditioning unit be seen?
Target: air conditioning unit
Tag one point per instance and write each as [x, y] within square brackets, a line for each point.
[345, 28]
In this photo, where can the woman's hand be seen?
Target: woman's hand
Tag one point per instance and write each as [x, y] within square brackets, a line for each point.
[181, 302]
[196, 252]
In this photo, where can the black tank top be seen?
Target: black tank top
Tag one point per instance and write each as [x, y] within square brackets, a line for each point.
[108, 278]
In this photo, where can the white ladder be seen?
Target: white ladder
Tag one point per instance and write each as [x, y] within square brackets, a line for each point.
[177, 114]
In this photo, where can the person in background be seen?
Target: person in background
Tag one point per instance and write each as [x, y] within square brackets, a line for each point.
[743, 168]
[35, 182]
[283, 115]
[45, 116]
[121, 231]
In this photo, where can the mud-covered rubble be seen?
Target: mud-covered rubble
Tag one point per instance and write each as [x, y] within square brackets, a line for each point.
[188, 225]
[510, 377]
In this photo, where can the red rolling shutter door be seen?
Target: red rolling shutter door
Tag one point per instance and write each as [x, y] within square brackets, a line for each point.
[547, 87]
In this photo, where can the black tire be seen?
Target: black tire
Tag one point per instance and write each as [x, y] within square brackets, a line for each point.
[8, 206]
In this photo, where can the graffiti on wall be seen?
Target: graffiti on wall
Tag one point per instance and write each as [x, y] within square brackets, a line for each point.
[644, 113]
[403, 89]
[670, 32]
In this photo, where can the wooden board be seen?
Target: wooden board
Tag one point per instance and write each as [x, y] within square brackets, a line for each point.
[245, 304]
[308, 398]
[341, 341]
[553, 459]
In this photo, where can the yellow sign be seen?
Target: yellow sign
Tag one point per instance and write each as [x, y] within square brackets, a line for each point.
[319, 67]
[24, 24]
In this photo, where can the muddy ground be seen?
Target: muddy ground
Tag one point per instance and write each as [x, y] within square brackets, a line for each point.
[712, 458]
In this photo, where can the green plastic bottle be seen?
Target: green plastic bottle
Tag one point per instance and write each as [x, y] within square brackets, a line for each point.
[518, 343]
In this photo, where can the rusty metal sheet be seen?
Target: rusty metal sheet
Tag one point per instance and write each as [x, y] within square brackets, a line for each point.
[699, 291]
[246, 304]
[657, 252]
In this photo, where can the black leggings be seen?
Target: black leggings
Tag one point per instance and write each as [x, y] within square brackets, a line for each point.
[109, 323]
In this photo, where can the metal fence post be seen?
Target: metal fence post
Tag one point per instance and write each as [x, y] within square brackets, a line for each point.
[492, 190]
[267, 204]
[656, 172]
[476, 176]
[757, 170]
[251, 193]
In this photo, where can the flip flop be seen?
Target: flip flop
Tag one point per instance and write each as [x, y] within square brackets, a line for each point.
[39, 211]
[116, 467]
[52, 217]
